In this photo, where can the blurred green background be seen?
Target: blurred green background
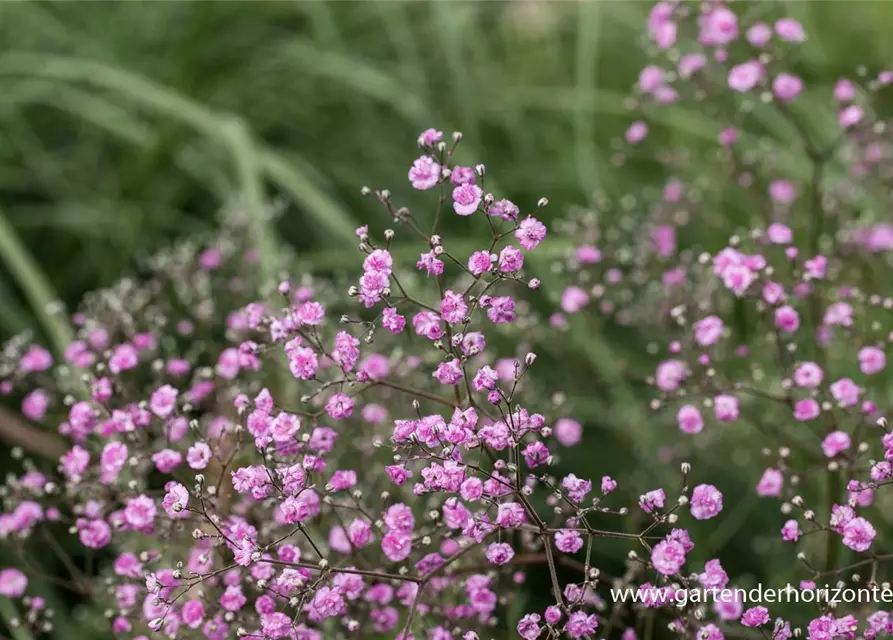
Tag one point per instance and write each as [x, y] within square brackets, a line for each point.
[123, 125]
[126, 125]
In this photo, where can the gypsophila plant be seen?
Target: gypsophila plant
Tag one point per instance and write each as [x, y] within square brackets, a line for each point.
[779, 337]
[316, 459]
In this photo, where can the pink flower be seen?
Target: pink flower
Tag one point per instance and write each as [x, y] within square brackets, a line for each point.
[462, 175]
[576, 488]
[790, 30]
[339, 406]
[787, 319]
[708, 331]
[163, 401]
[782, 191]
[706, 502]
[745, 76]
[427, 324]
[858, 534]
[193, 613]
[651, 78]
[725, 408]
[75, 462]
[652, 500]
[485, 378]
[779, 234]
[806, 409]
[668, 556]
[568, 541]
[850, 116]
[808, 375]
[228, 364]
[759, 34]
[425, 173]
[510, 515]
[567, 431]
[844, 90]
[94, 534]
[233, 599]
[175, 501]
[501, 310]
[480, 262]
[198, 456]
[636, 132]
[728, 137]
[710, 632]
[124, 357]
[302, 361]
[111, 461]
[396, 545]
[140, 513]
[529, 627]
[786, 86]
[839, 314]
[790, 532]
[670, 375]
[471, 489]
[835, 443]
[846, 392]
[453, 308]
[35, 359]
[312, 313]
[276, 625]
[738, 278]
[392, 321]
[327, 603]
[573, 299]
[718, 27]
[660, 25]
[510, 259]
[581, 625]
[499, 553]
[689, 419]
[505, 209]
[714, 577]
[755, 617]
[466, 199]
[815, 268]
[871, 360]
[689, 64]
[167, 460]
[535, 454]
[770, 483]
[13, 583]
[449, 372]
[430, 137]
[342, 480]
[35, 404]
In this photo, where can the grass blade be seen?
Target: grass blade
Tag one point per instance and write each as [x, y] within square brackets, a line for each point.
[35, 286]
